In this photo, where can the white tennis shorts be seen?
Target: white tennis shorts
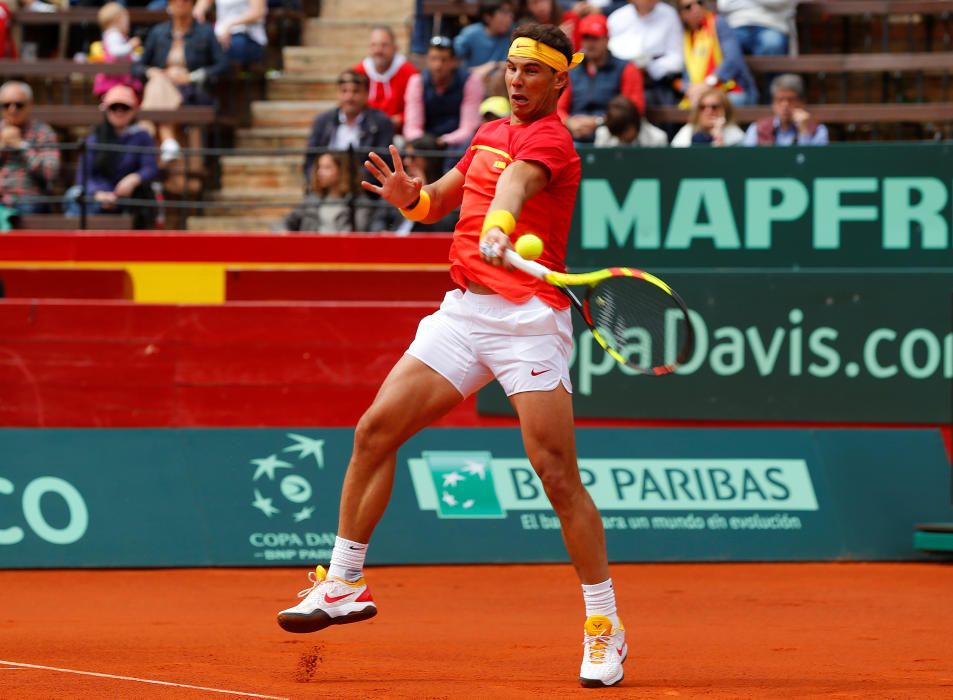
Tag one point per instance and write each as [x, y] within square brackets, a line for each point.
[473, 338]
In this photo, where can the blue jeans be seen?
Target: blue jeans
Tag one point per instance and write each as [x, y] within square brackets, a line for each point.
[762, 41]
[245, 50]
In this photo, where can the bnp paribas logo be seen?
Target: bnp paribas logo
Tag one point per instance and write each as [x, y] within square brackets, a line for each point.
[459, 484]
[279, 486]
[475, 484]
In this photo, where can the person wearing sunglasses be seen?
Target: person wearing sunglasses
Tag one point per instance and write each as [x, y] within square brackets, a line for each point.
[110, 174]
[713, 57]
[29, 158]
[712, 122]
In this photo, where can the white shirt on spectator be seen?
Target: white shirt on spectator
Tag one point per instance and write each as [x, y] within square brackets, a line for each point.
[653, 42]
[649, 136]
[226, 10]
[347, 135]
[774, 14]
[116, 43]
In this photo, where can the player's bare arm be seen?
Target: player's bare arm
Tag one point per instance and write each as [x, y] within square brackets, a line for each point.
[419, 203]
[520, 181]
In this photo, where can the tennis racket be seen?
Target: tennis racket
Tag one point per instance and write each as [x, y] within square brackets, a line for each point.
[638, 319]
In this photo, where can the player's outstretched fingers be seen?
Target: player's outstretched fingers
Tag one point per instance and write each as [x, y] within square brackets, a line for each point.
[395, 156]
[376, 171]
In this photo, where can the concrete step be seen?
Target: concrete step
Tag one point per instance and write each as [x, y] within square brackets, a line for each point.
[261, 173]
[266, 203]
[344, 9]
[302, 87]
[272, 137]
[288, 113]
[354, 33]
[256, 223]
[321, 60]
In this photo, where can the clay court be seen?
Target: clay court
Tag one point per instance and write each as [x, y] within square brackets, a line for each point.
[696, 631]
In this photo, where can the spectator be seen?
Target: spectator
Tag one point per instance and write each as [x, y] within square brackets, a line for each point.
[352, 124]
[444, 100]
[239, 27]
[29, 159]
[180, 56]
[649, 33]
[482, 46]
[625, 126]
[582, 106]
[493, 108]
[327, 206]
[763, 27]
[551, 12]
[711, 123]
[113, 20]
[106, 176]
[713, 57]
[791, 123]
[8, 48]
[389, 72]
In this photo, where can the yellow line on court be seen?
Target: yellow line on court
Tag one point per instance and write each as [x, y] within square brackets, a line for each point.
[141, 680]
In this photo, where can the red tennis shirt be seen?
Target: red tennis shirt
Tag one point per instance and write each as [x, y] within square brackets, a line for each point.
[494, 147]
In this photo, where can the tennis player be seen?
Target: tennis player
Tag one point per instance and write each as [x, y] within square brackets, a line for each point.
[520, 174]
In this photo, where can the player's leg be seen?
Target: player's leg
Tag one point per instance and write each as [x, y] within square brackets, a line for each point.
[548, 428]
[412, 396]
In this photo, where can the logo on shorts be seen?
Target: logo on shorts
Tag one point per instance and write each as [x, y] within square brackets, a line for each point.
[536, 374]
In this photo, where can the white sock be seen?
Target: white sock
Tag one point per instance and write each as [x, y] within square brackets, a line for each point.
[600, 600]
[347, 559]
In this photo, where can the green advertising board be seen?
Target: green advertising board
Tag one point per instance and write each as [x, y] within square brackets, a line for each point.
[834, 346]
[119, 498]
[883, 205]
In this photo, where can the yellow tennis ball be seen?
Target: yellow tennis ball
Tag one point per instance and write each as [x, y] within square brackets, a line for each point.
[529, 246]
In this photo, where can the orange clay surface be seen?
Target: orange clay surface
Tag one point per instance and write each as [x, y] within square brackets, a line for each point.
[696, 631]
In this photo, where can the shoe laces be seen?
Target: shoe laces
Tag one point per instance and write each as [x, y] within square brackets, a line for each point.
[317, 577]
[596, 646]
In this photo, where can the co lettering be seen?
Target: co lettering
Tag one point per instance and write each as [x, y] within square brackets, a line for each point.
[33, 494]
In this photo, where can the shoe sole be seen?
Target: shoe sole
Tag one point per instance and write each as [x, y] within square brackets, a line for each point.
[318, 620]
[596, 683]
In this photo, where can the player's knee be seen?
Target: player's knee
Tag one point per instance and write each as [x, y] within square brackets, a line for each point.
[560, 479]
[372, 435]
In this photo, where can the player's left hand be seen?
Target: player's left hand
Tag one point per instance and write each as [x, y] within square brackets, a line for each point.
[397, 187]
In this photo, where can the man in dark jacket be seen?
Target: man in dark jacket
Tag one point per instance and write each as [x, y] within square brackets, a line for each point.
[351, 125]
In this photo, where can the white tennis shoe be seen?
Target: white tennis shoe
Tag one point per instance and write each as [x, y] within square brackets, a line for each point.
[329, 601]
[604, 651]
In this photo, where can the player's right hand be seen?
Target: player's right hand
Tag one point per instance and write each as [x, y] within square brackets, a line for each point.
[492, 246]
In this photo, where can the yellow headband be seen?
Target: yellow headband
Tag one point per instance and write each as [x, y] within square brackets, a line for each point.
[523, 47]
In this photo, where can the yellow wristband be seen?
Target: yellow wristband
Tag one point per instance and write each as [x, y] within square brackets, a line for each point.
[499, 218]
[420, 210]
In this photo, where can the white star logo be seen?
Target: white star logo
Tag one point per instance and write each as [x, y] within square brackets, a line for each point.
[268, 466]
[448, 499]
[475, 469]
[452, 479]
[305, 447]
[468, 503]
[264, 504]
[304, 514]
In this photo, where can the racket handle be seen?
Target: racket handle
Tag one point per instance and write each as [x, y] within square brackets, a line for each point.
[530, 267]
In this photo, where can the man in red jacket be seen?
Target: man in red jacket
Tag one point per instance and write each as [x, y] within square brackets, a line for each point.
[389, 71]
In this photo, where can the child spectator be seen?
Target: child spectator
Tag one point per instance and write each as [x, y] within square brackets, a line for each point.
[113, 20]
[108, 175]
[327, 207]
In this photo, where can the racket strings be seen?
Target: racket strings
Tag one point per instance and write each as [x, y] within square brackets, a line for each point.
[640, 321]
